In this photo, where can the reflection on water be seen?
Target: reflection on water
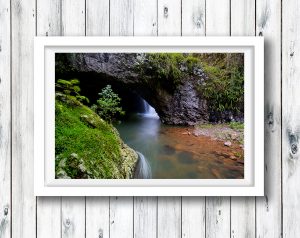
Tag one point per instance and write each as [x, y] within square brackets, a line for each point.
[171, 153]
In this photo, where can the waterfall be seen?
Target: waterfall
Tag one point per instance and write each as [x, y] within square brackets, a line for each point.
[149, 111]
[143, 169]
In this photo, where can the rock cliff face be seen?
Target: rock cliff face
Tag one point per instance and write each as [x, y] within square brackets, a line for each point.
[182, 105]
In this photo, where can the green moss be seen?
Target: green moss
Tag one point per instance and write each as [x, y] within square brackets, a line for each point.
[85, 145]
[167, 69]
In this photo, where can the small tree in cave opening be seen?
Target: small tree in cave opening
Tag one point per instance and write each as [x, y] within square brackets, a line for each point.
[108, 105]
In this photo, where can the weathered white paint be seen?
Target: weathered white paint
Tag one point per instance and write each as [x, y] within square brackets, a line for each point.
[242, 208]
[193, 208]
[169, 17]
[145, 208]
[73, 209]
[23, 18]
[169, 217]
[77, 17]
[121, 217]
[97, 217]
[217, 208]
[193, 17]
[5, 120]
[48, 209]
[290, 118]
[268, 208]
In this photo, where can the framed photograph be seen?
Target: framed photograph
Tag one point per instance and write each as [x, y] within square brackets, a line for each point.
[149, 116]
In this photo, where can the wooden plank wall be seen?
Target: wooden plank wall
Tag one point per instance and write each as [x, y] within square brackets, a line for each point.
[274, 215]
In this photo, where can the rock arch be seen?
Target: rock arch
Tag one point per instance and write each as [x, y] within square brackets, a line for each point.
[180, 106]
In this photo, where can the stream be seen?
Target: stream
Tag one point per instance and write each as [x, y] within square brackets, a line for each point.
[168, 152]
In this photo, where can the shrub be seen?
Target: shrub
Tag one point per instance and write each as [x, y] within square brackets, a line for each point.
[224, 88]
[71, 89]
[108, 105]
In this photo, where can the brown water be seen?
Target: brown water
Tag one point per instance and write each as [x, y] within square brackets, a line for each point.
[173, 153]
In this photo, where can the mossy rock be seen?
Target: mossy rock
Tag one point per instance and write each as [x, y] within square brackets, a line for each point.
[88, 147]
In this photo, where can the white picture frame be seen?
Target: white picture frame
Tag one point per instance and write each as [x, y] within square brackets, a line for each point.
[45, 183]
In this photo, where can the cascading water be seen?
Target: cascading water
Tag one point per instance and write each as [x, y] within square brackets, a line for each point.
[143, 169]
[149, 111]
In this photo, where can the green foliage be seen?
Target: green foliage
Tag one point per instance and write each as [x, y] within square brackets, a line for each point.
[108, 105]
[85, 145]
[224, 89]
[236, 125]
[168, 69]
[71, 89]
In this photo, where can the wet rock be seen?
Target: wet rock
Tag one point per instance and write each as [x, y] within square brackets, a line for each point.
[227, 143]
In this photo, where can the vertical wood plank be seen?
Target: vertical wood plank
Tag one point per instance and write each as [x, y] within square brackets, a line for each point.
[73, 217]
[145, 208]
[169, 17]
[97, 17]
[218, 208]
[193, 208]
[242, 208]
[218, 17]
[290, 117]
[121, 217]
[169, 208]
[121, 208]
[5, 120]
[193, 17]
[48, 208]
[169, 217]
[145, 217]
[217, 217]
[193, 217]
[97, 208]
[23, 200]
[268, 208]
[97, 217]
[121, 17]
[73, 17]
[73, 208]
[48, 217]
[145, 17]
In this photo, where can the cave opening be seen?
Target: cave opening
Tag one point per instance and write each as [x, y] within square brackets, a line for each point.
[132, 101]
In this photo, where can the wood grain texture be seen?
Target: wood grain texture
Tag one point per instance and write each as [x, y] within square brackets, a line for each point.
[290, 117]
[145, 17]
[23, 200]
[121, 217]
[48, 222]
[218, 217]
[268, 208]
[169, 217]
[48, 23]
[193, 208]
[73, 208]
[97, 208]
[242, 208]
[169, 17]
[97, 17]
[145, 208]
[73, 17]
[121, 17]
[73, 217]
[218, 17]
[218, 208]
[193, 17]
[193, 217]
[5, 121]
[145, 217]
[97, 217]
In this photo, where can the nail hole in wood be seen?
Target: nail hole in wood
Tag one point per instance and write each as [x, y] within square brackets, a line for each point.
[166, 12]
[5, 210]
[294, 148]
